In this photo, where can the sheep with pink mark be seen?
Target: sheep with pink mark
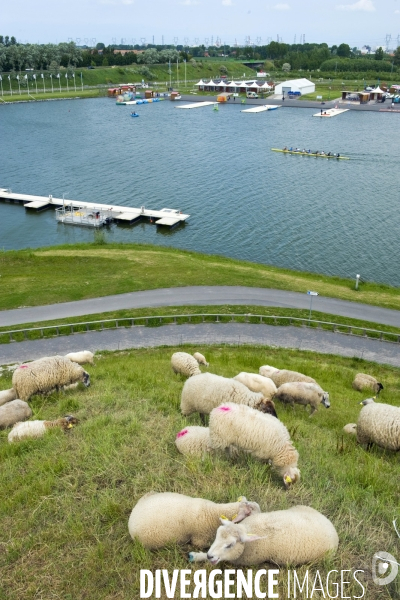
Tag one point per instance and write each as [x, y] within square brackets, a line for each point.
[193, 441]
[159, 519]
[259, 434]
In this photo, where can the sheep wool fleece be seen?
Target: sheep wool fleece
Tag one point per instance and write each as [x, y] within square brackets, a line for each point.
[379, 423]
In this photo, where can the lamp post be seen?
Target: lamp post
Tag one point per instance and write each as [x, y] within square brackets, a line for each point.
[66, 77]
[9, 79]
[59, 80]
[27, 82]
[73, 75]
[170, 74]
[311, 294]
[44, 86]
[81, 81]
[51, 77]
[185, 73]
[34, 77]
[177, 72]
[19, 86]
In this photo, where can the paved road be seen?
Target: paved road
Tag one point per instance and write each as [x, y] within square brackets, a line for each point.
[202, 296]
[324, 342]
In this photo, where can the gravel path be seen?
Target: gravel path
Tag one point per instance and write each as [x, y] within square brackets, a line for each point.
[324, 342]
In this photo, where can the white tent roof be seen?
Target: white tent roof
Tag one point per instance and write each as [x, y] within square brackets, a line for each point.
[265, 86]
[297, 82]
[233, 84]
[377, 90]
[201, 82]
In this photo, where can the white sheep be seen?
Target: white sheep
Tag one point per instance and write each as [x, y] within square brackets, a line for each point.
[37, 429]
[82, 357]
[206, 391]
[47, 374]
[200, 359]
[14, 411]
[193, 440]
[295, 536]
[300, 392]
[159, 519]
[262, 435]
[257, 383]
[280, 376]
[362, 382]
[7, 396]
[377, 424]
[184, 364]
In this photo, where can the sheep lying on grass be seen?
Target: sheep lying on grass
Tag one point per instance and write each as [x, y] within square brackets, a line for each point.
[257, 383]
[281, 376]
[7, 396]
[185, 364]
[46, 374]
[200, 359]
[299, 392]
[193, 441]
[13, 412]
[82, 357]
[362, 382]
[377, 424]
[294, 536]
[161, 519]
[37, 429]
[260, 434]
[206, 391]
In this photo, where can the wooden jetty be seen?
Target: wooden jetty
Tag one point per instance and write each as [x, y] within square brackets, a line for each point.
[127, 214]
[196, 105]
[258, 109]
[330, 112]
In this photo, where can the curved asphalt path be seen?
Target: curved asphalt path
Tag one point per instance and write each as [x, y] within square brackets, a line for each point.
[201, 296]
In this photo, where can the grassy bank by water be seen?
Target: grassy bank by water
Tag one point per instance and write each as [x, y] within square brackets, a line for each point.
[65, 273]
[66, 498]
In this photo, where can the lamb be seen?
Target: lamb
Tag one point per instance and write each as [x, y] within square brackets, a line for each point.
[257, 383]
[82, 357]
[37, 429]
[159, 519]
[283, 376]
[184, 364]
[200, 359]
[377, 424]
[294, 536]
[7, 396]
[14, 411]
[260, 434]
[206, 391]
[362, 382]
[193, 441]
[47, 374]
[300, 392]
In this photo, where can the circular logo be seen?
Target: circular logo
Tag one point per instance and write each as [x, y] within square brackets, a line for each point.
[384, 568]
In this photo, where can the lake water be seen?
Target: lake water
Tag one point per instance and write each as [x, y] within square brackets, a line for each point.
[310, 214]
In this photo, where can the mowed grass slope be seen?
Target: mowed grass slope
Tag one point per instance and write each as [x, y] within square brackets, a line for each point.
[66, 273]
[66, 498]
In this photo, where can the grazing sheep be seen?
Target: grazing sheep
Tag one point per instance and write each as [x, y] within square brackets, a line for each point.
[14, 411]
[161, 519]
[257, 383]
[300, 392]
[184, 364]
[46, 374]
[362, 382]
[200, 359]
[193, 440]
[206, 391]
[82, 357]
[282, 376]
[260, 434]
[350, 428]
[37, 429]
[294, 536]
[7, 396]
[377, 424]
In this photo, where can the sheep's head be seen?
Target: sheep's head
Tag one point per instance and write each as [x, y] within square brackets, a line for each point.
[368, 401]
[69, 421]
[290, 476]
[85, 379]
[246, 509]
[379, 386]
[268, 407]
[325, 400]
[229, 542]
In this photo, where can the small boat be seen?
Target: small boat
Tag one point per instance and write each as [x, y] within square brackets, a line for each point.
[134, 115]
[310, 154]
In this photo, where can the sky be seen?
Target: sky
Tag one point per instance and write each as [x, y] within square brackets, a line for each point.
[356, 22]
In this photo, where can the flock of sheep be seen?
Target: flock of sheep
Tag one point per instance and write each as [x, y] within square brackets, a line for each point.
[242, 417]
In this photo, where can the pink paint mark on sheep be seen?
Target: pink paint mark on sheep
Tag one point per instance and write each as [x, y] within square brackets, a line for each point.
[182, 433]
[23, 367]
[224, 408]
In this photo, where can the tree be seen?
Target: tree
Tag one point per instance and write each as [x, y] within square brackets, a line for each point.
[344, 50]
[396, 56]
[286, 67]
[379, 53]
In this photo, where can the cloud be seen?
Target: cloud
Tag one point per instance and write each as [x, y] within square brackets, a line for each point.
[227, 3]
[366, 5]
[281, 7]
[397, 12]
[117, 2]
[189, 2]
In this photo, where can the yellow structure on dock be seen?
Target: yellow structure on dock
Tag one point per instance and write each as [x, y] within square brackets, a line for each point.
[166, 216]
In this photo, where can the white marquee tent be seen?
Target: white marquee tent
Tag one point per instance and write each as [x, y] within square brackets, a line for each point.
[304, 86]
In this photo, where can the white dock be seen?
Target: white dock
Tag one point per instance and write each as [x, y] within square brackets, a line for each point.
[258, 109]
[330, 112]
[196, 105]
[128, 214]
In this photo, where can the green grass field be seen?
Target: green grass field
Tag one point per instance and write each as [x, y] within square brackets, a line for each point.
[66, 498]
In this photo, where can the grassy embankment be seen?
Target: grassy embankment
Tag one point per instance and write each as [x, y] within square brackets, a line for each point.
[68, 273]
[66, 498]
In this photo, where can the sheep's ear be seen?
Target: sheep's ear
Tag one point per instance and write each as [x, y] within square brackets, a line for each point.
[250, 537]
[224, 520]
